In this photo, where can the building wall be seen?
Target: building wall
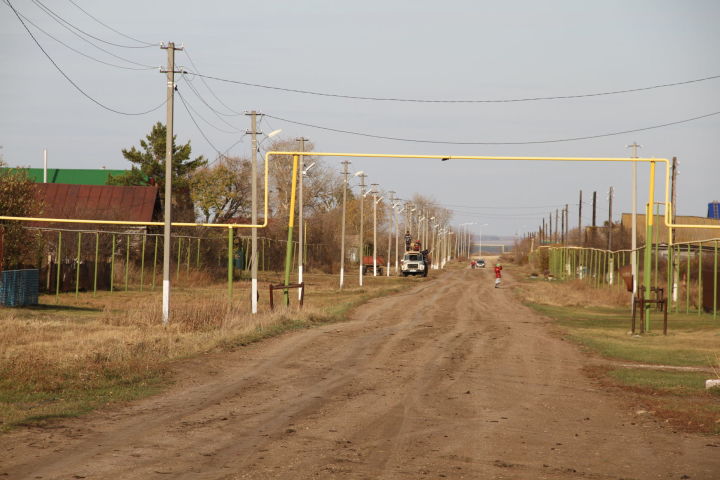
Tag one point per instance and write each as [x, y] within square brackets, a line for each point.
[681, 234]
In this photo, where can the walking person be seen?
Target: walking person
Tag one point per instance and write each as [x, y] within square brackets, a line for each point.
[498, 275]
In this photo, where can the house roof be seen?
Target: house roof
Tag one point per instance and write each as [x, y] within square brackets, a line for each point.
[73, 176]
[98, 202]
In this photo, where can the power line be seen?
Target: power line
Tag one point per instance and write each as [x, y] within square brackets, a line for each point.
[533, 142]
[82, 53]
[234, 113]
[182, 99]
[60, 19]
[197, 94]
[147, 44]
[68, 78]
[419, 100]
[60, 22]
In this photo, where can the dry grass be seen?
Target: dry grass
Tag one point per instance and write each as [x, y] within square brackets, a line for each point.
[67, 358]
[574, 293]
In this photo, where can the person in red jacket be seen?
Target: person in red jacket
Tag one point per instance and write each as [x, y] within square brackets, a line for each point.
[498, 274]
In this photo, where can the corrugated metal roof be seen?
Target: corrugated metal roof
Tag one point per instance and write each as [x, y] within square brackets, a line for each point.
[98, 202]
[72, 176]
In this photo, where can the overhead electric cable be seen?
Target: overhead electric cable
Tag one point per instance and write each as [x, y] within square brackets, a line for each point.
[60, 19]
[207, 122]
[533, 142]
[68, 78]
[182, 99]
[420, 100]
[82, 53]
[94, 45]
[234, 113]
[197, 94]
[147, 44]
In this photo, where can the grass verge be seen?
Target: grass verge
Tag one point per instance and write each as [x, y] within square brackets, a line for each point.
[664, 374]
[64, 359]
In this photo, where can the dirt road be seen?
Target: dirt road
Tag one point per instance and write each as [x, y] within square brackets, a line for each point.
[454, 379]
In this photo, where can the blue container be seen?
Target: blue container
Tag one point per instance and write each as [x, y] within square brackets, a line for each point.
[19, 287]
[714, 210]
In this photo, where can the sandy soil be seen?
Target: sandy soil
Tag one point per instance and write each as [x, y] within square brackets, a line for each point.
[454, 379]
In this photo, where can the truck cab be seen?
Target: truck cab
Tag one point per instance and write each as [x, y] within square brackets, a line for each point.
[414, 263]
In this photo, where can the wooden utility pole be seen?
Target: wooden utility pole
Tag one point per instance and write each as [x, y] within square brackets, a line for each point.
[594, 218]
[580, 219]
[170, 47]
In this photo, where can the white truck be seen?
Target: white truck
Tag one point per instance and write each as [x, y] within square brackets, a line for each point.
[415, 263]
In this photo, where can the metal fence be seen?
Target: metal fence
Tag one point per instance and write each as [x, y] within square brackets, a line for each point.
[687, 272]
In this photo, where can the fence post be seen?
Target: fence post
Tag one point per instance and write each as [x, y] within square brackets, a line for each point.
[77, 265]
[142, 262]
[197, 257]
[97, 255]
[112, 265]
[230, 266]
[687, 282]
[58, 263]
[700, 282]
[715, 280]
[177, 267]
[155, 262]
[127, 260]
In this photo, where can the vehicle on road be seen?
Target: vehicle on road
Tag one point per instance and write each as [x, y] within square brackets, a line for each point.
[368, 264]
[480, 263]
[414, 263]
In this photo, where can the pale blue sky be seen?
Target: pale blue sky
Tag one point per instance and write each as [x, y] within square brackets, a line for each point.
[410, 49]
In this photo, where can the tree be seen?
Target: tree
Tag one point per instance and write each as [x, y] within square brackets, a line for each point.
[222, 191]
[149, 168]
[17, 199]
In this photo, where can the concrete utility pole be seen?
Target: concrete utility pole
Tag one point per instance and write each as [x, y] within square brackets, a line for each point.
[362, 214]
[375, 201]
[342, 231]
[633, 234]
[301, 232]
[170, 47]
[610, 220]
[389, 249]
[253, 210]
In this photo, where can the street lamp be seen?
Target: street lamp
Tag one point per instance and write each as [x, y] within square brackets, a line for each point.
[362, 177]
[375, 202]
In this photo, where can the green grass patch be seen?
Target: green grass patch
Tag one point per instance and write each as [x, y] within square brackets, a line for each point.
[691, 341]
[678, 383]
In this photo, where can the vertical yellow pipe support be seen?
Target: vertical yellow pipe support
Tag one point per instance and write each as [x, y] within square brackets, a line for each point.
[291, 224]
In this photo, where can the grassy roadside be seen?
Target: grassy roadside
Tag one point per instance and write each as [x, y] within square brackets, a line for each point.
[64, 359]
[665, 374]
